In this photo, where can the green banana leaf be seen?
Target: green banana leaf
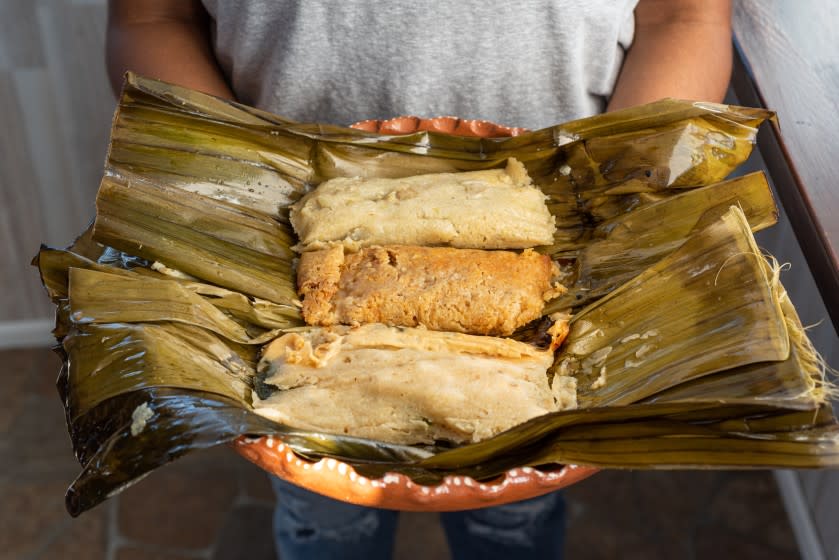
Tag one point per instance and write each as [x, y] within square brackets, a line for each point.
[215, 241]
[622, 247]
[93, 293]
[727, 314]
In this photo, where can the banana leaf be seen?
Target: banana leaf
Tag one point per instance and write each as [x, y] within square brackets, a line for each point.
[701, 434]
[254, 314]
[726, 314]
[145, 383]
[99, 297]
[757, 420]
[774, 383]
[622, 247]
[225, 244]
[797, 382]
[153, 355]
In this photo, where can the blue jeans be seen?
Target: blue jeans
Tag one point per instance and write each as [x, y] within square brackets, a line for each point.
[308, 525]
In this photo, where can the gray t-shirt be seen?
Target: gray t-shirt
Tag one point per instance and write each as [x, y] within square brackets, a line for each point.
[532, 63]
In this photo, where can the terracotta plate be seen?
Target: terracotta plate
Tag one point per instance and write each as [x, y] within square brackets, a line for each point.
[445, 125]
[338, 480]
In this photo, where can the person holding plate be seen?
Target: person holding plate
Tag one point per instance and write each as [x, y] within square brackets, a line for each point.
[527, 64]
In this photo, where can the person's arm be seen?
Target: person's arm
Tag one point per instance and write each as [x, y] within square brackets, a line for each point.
[682, 49]
[165, 39]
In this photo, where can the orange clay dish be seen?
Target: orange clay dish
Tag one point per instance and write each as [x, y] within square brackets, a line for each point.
[335, 479]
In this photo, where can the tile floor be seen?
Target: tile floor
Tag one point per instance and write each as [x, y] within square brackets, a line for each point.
[216, 505]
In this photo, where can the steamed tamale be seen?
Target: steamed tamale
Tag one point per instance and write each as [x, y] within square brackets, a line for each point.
[409, 385]
[491, 209]
[460, 290]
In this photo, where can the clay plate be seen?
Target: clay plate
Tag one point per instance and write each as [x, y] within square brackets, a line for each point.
[445, 125]
[338, 480]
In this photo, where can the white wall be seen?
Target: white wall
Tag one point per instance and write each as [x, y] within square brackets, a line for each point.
[55, 112]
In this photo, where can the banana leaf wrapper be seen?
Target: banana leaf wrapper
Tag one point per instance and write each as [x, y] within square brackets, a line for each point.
[622, 247]
[709, 306]
[213, 240]
[144, 386]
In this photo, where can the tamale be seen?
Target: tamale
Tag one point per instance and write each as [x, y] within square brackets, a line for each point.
[405, 385]
[440, 288]
[492, 209]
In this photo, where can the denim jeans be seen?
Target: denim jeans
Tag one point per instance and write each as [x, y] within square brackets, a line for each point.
[308, 525]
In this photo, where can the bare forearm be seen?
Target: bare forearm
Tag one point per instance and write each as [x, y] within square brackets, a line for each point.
[151, 39]
[687, 55]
